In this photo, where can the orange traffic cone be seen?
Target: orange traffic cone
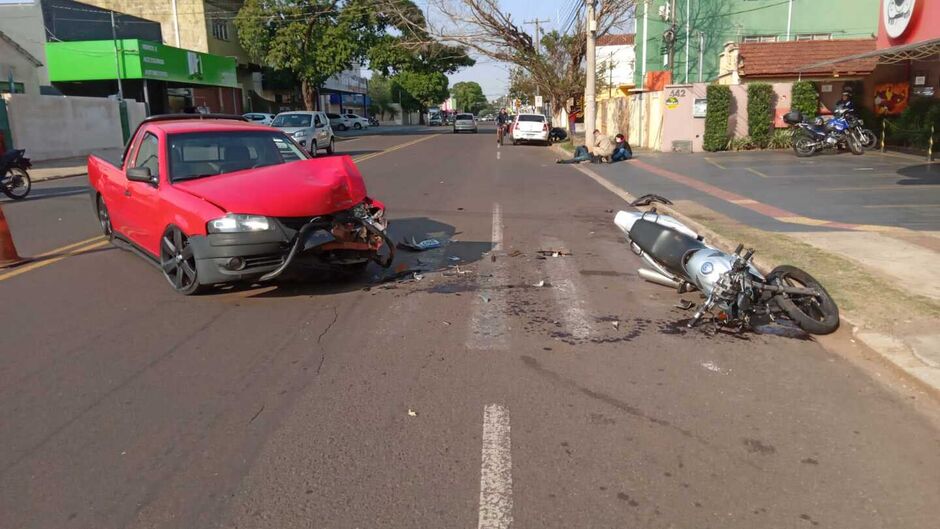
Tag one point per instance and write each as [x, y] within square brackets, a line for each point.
[8, 255]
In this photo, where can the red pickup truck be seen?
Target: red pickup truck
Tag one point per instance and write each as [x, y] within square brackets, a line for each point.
[214, 199]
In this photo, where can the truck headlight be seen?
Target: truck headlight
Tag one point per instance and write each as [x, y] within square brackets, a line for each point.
[239, 224]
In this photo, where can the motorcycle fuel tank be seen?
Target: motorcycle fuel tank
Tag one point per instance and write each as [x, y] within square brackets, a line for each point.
[706, 266]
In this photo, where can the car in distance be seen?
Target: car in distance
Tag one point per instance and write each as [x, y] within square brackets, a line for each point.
[436, 121]
[528, 128]
[213, 199]
[465, 123]
[357, 121]
[261, 118]
[339, 122]
[310, 129]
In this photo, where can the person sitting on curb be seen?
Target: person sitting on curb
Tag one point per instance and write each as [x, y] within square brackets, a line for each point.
[622, 150]
[603, 148]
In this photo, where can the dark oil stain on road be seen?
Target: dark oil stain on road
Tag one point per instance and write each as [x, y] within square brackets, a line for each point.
[809, 519]
[809, 461]
[756, 446]
[626, 497]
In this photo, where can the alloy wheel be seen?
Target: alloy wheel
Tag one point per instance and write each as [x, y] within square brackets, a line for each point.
[178, 262]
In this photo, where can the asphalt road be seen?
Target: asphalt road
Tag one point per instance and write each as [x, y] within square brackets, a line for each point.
[351, 404]
[872, 189]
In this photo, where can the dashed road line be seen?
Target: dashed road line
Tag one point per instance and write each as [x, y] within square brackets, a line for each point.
[561, 274]
[716, 164]
[496, 470]
[758, 173]
[488, 329]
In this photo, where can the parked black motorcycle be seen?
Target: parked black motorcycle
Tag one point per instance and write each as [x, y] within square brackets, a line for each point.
[867, 136]
[373, 122]
[14, 176]
[810, 138]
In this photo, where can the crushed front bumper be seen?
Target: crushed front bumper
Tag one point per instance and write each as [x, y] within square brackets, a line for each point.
[230, 257]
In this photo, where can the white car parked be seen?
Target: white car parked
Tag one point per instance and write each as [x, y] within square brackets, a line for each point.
[260, 118]
[530, 127]
[356, 121]
[339, 122]
[310, 129]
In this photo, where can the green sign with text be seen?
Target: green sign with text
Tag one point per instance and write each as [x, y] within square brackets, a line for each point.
[96, 60]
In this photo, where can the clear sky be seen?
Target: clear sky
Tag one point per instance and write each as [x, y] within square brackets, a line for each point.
[493, 76]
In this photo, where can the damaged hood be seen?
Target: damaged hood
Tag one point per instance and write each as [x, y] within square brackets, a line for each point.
[305, 188]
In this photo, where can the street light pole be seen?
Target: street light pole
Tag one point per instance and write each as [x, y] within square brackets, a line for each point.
[117, 60]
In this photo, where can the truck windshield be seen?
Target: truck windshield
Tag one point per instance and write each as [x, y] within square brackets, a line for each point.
[200, 154]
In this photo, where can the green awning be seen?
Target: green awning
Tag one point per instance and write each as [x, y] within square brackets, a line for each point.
[94, 60]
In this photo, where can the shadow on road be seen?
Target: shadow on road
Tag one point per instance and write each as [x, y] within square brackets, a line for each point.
[923, 174]
[317, 281]
[48, 192]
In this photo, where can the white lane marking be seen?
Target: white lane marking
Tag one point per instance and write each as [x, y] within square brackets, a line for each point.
[497, 228]
[561, 273]
[497, 154]
[496, 470]
[488, 328]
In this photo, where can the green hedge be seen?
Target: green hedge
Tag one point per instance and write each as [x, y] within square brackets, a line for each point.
[760, 118]
[716, 117]
[805, 98]
[912, 127]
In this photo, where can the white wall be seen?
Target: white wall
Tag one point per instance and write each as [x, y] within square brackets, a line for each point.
[23, 23]
[51, 127]
[623, 59]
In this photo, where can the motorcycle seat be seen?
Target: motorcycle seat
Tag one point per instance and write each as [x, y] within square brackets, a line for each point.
[668, 245]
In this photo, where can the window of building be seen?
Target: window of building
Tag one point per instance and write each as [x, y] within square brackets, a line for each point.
[18, 88]
[814, 36]
[220, 29]
[759, 38]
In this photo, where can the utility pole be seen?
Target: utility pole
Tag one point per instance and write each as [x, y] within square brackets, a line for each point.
[701, 54]
[117, 59]
[590, 84]
[538, 42]
[672, 40]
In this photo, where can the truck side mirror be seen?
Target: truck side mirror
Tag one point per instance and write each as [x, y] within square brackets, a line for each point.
[140, 174]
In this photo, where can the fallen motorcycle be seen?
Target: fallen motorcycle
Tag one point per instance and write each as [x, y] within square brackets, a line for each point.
[14, 176]
[736, 294]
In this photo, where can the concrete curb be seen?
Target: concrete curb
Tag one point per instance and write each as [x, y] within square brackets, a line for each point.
[895, 353]
[57, 177]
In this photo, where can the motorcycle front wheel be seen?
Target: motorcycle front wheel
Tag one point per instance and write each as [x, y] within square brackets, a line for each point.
[16, 183]
[855, 144]
[814, 314]
[869, 140]
[803, 146]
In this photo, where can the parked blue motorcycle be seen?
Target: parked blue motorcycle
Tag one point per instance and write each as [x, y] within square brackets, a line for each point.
[810, 138]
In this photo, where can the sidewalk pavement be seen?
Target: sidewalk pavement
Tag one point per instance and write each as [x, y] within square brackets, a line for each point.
[878, 264]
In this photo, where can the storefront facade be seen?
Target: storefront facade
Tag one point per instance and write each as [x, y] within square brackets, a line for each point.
[168, 79]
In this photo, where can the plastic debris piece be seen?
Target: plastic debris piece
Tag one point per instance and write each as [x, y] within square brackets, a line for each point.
[446, 322]
[415, 246]
[540, 284]
[453, 258]
[685, 304]
[412, 413]
[554, 252]
[417, 277]
[515, 253]
[616, 324]
[484, 298]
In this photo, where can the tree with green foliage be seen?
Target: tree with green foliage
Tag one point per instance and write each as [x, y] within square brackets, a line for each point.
[760, 117]
[716, 117]
[314, 39]
[381, 98]
[468, 96]
[424, 88]
[805, 98]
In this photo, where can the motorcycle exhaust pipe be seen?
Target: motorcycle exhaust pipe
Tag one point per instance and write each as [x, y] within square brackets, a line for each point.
[656, 277]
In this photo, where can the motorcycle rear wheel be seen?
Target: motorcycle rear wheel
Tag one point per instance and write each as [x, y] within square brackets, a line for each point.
[814, 314]
[16, 184]
[803, 146]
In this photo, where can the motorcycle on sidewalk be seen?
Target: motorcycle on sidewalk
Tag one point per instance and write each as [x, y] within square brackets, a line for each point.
[14, 174]
[737, 295]
[810, 138]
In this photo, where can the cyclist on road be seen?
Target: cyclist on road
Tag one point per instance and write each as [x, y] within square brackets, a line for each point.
[502, 121]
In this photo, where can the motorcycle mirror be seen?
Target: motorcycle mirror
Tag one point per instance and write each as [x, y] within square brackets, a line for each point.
[737, 251]
[749, 254]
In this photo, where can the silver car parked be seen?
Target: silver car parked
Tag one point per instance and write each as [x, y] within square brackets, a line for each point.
[310, 129]
[465, 123]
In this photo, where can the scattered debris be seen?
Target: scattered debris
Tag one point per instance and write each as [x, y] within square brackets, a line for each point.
[616, 324]
[484, 298]
[406, 274]
[417, 277]
[453, 258]
[412, 413]
[684, 304]
[712, 367]
[554, 252]
[608, 211]
[445, 322]
[515, 253]
[540, 284]
[459, 209]
[415, 246]
[493, 257]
